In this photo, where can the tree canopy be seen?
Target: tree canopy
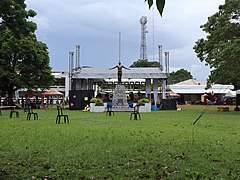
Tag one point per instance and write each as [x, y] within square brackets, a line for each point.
[179, 76]
[144, 63]
[220, 49]
[174, 77]
[24, 61]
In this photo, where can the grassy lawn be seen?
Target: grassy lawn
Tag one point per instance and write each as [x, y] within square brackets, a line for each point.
[163, 145]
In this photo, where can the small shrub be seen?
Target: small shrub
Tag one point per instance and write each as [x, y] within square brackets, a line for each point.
[142, 102]
[97, 101]
[93, 100]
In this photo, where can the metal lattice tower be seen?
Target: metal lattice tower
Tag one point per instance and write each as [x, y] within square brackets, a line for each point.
[143, 47]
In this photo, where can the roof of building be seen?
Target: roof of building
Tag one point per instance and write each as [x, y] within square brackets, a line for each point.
[191, 82]
[133, 73]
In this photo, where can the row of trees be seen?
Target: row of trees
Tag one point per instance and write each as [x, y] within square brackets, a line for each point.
[24, 61]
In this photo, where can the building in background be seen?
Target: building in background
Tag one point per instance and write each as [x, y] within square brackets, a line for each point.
[193, 91]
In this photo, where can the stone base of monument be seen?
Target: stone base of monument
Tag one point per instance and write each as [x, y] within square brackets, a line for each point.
[122, 109]
[119, 102]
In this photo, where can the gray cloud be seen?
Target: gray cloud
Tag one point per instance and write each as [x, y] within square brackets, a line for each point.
[95, 26]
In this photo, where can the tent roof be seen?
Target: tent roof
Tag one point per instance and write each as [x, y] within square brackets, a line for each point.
[52, 92]
[230, 94]
[192, 86]
[133, 73]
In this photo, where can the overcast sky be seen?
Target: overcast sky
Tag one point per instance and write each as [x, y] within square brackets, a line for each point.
[95, 25]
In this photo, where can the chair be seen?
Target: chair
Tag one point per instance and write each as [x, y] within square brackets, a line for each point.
[30, 112]
[109, 110]
[60, 114]
[14, 111]
[136, 112]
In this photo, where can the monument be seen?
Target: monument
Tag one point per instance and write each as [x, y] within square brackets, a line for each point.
[119, 102]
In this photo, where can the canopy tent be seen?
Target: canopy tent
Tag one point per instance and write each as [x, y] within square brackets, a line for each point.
[193, 86]
[52, 92]
[230, 93]
[37, 98]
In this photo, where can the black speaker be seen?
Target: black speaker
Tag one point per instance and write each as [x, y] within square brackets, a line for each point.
[78, 99]
[169, 104]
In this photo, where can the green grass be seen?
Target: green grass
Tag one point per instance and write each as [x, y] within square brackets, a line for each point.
[163, 145]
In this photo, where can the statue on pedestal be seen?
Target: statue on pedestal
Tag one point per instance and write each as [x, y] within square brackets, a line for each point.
[119, 102]
[119, 67]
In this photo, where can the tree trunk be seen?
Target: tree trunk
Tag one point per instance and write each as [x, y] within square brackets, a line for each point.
[10, 98]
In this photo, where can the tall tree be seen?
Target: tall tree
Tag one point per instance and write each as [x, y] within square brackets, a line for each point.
[24, 61]
[178, 76]
[220, 49]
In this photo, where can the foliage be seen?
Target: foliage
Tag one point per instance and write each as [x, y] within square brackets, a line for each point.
[142, 102]
[179, 76]
[163, 145]
[24, 61]
[97, 101]
[144, 63]
[220, 49]
[160, 5]
[93, 100]
[145, 100]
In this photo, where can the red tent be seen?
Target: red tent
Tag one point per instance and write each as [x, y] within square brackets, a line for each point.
[52, 92]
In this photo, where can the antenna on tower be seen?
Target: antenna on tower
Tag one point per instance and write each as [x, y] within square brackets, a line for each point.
[143, 47]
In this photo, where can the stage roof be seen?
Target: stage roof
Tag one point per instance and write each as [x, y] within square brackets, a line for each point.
[133, 73]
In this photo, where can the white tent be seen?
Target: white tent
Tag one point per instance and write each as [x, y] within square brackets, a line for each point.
[231, 93]
[193, 86]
